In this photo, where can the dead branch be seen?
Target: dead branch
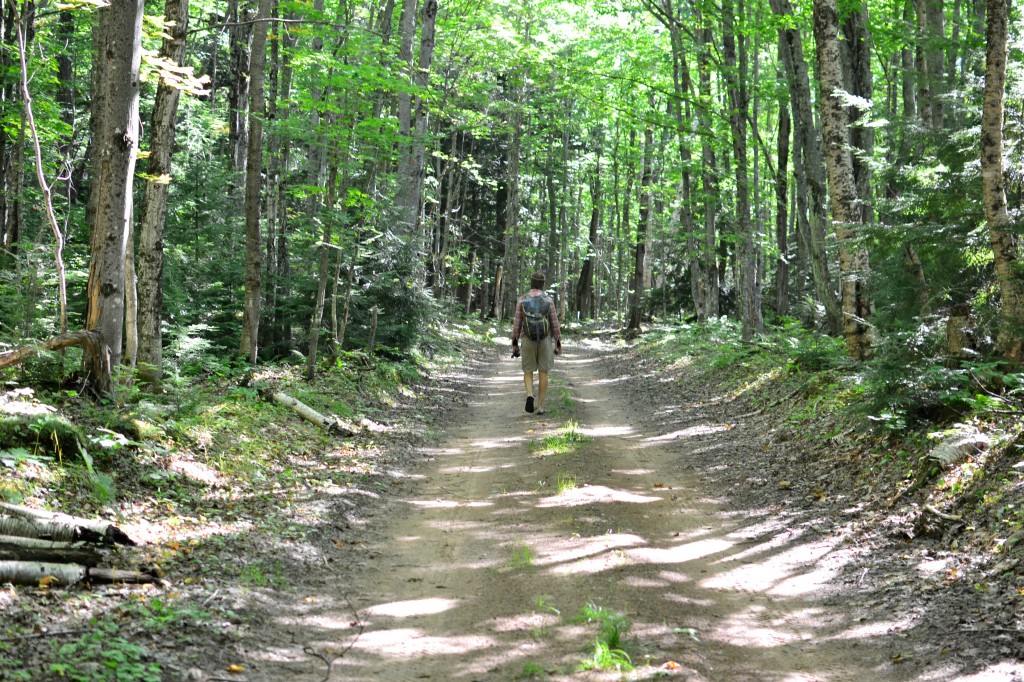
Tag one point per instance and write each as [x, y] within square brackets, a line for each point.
[89, 339]
[942, 515]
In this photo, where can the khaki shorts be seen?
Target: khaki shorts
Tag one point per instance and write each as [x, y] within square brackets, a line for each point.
[538, 356]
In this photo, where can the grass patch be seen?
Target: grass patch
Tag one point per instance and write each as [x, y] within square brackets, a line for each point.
[522, 556]
[531, 670]
[612, 628]
[564, 441]
[565, 482]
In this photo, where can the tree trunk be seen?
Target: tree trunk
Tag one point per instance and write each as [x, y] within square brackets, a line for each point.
[857, 45]
[636, 297]
[853, 259]
[735, 67]
[585, 283]
[781, 217]
[241, 70]
[808, 167]
[1005, 243]
[253, 170]
[709, 180]
[22, 30]
[119, 52]
[154, 199]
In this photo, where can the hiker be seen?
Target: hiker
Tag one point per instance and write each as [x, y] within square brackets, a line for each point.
[536, 323]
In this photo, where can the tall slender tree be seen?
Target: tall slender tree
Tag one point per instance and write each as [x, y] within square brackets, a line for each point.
[1005, 243]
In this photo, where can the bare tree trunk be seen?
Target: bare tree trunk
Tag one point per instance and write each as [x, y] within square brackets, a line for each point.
[119, 52]
[781, 217]
[709, 180]
[62, 296]
[636, 297]
[853, 259]
[154, 199]
[1005, 243]
[253, 170]
[808, 167]
[241, 70]
[585, 283]
[749, 287]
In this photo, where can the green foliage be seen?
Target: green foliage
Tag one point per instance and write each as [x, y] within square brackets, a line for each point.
[565, 482]
[48, 435]
[264, 574]
[531, 670]
[521, 556]
[910, 382]
[612, 629]
[102, 655]
[568, 438]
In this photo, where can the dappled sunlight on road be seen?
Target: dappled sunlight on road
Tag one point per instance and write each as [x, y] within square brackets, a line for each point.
[448, 504]
[496, 556]
[605, 431]
[592, 494]
[556, 550]
[792, 571]
[690, 432]
[680, 554]
[403, 643]
[413, 607]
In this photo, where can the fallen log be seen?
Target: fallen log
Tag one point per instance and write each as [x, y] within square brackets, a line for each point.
[90, 530]
[331, 424]
[14, 548]
[113, 575]
[62, 575]
[38, 529]
[32, 572]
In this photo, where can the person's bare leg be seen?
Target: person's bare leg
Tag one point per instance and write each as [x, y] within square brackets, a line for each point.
[528, 384]
[542, 389]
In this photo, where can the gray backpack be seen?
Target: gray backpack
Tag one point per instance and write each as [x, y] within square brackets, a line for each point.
[536, 310]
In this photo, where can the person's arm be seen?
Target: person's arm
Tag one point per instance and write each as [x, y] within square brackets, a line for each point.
[556, 332]
[517, 324]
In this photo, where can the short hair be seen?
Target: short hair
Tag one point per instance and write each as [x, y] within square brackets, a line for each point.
[537, 280]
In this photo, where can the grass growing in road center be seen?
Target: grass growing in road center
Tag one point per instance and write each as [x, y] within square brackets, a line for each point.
[612, 628]
[565, 441]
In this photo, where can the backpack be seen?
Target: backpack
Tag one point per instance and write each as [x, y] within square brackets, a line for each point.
[536, 309]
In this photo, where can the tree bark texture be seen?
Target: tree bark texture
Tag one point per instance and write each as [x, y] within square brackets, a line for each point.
[636, 296]
[1005, 244]
[153, 212]
[119, 52]
[253, 185]
[853, 259]
[748, 284]
[808, 167]
[709, 178]
[781, 214]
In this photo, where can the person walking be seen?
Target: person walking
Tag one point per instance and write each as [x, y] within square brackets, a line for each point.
[536, 323]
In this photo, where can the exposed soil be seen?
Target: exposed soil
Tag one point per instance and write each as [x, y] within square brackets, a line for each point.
[698, 523]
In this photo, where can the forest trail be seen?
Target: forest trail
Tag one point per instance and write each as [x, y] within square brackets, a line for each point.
[476, 570]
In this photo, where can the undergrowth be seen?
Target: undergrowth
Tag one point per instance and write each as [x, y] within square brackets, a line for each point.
[208, 465]
[878, 419]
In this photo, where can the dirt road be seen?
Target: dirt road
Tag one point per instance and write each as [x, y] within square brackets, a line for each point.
[479, 569]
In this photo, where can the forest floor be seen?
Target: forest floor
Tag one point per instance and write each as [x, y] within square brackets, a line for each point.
[642, 493]
[697, 528]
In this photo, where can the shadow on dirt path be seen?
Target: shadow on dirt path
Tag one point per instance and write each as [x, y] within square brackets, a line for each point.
[477, 571]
